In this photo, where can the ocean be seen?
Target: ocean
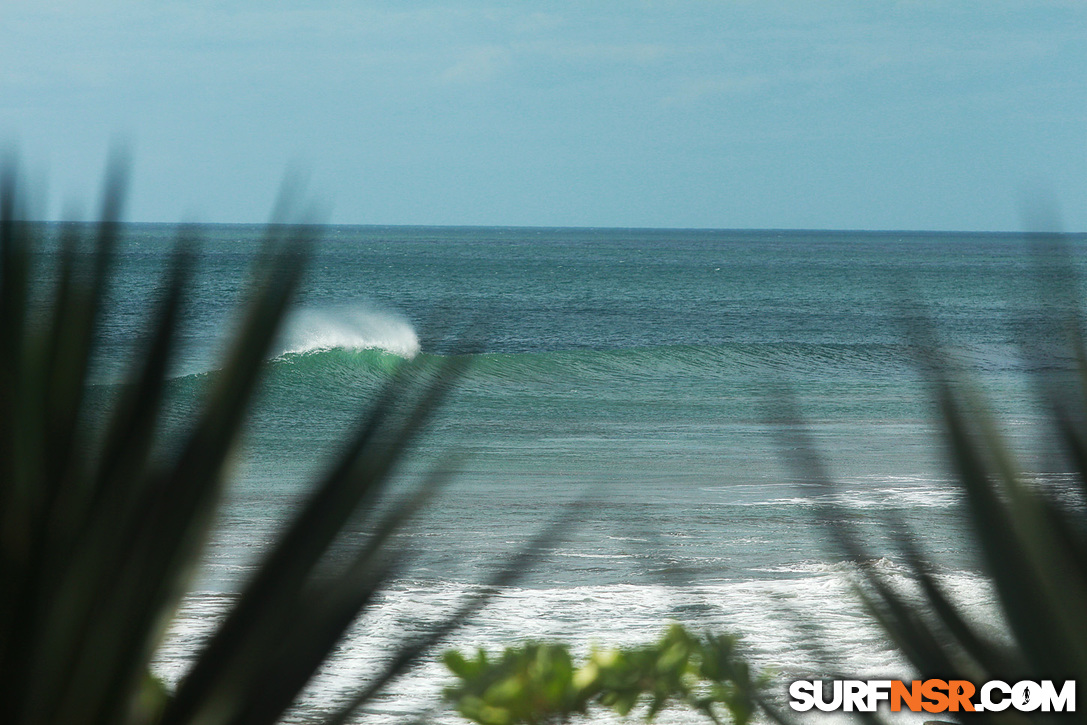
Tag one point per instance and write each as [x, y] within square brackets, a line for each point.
[630, 380]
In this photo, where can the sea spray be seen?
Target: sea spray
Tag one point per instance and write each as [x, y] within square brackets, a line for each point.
[354, 327]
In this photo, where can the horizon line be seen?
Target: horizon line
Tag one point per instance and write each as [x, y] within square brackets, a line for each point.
[575, 227]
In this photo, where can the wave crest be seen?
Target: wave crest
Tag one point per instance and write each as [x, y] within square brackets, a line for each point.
[348, 328]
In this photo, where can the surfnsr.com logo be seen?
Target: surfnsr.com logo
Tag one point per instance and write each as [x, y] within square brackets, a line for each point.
[932, 695]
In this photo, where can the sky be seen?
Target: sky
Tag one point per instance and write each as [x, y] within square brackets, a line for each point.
[799, 114]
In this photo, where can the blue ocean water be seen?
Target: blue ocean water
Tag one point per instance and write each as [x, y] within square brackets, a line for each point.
[637, 372]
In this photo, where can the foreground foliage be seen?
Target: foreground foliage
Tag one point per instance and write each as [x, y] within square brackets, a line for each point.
[1032, 534]
[539, 683]
[101, 525]
[1029, 526]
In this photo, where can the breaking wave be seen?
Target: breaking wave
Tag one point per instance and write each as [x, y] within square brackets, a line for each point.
[356, 328]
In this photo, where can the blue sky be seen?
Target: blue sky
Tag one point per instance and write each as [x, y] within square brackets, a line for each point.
[730, 114]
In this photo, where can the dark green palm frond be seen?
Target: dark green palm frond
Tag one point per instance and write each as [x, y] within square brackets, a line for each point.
[19, 421]
[503, 575]
[1043, 592]
[1033, 542]
[286, 593]
[101, 526]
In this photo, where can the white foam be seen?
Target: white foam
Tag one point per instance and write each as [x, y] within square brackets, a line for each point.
[356, 327]
[768, 614]
[873, 498]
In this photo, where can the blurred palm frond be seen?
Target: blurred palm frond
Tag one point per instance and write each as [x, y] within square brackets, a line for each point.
[102, 525]
[1030, 528]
